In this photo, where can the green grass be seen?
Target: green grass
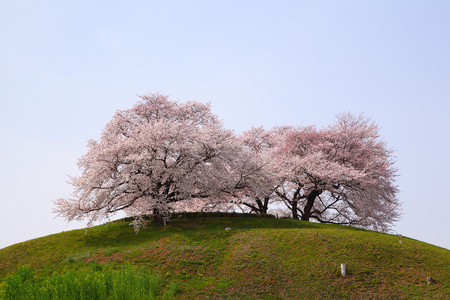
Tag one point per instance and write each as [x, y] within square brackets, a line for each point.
[259, 258]
[126, 283]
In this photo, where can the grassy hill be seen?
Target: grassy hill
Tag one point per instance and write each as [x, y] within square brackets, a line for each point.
[258, 258]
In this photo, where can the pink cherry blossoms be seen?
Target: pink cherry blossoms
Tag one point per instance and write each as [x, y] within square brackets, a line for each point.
[342, 174]
[162, 156]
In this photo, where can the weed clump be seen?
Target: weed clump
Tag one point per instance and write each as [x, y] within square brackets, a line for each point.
[128, 282]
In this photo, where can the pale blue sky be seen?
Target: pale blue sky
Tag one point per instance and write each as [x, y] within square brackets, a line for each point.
[66, 66]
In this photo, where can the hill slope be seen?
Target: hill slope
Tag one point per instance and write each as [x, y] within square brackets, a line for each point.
[258, 258]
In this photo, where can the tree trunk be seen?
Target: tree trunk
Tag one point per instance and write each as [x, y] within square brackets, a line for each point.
[263, 207]
[309, 204]
[159, 218]
[294, 210]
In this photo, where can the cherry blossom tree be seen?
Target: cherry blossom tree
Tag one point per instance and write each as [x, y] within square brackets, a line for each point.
[258, 169]
[161, 156]
[342, 174]
[250, 182]
[157, 153]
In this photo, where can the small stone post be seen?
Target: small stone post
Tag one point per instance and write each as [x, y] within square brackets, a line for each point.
[430, 280]
[343, 270]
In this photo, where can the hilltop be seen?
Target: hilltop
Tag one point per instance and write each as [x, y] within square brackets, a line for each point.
[238, 256]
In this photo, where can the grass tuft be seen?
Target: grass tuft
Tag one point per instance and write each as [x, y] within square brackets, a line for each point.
[126, 283]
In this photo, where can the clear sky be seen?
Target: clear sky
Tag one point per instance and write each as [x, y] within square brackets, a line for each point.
[67, 66]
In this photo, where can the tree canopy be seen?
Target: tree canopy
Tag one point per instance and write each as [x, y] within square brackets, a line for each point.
[156, 153]
[342, 174]
[162, 156]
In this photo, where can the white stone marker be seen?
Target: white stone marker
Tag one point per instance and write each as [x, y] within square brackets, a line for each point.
[343, 270]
